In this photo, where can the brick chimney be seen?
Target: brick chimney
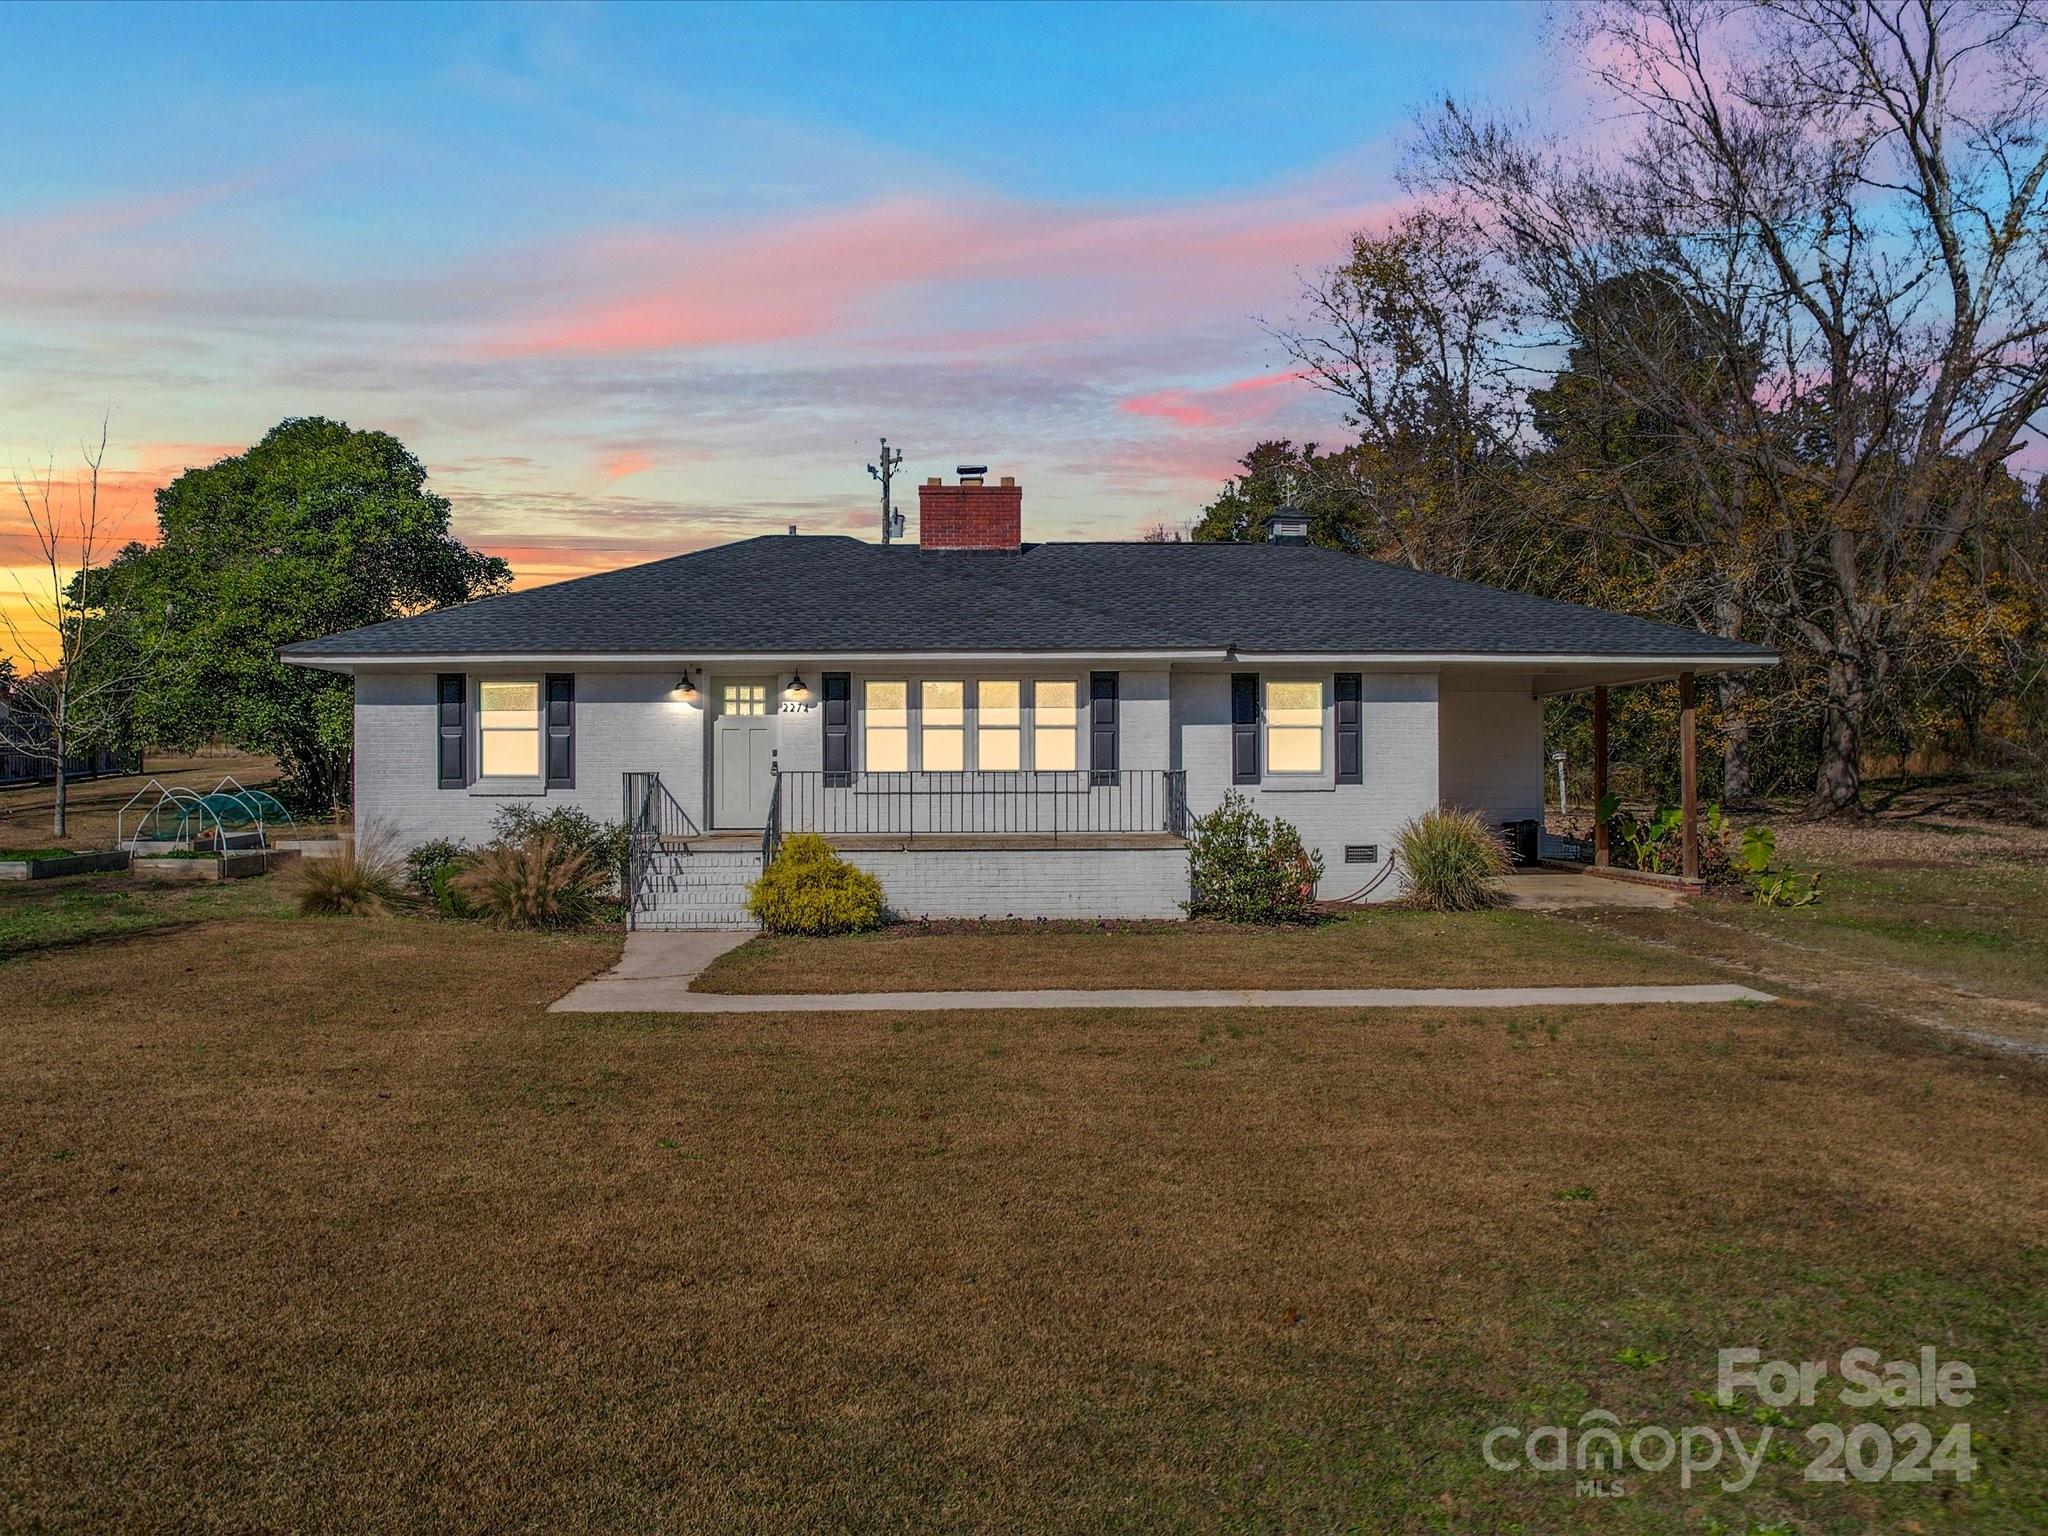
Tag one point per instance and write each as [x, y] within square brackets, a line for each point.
[972, 514]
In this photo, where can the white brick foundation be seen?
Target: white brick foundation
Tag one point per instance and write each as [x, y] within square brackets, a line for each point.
[1030, 882]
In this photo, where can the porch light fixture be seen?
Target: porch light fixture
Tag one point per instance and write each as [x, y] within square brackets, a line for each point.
[796, 688]
[687, 688]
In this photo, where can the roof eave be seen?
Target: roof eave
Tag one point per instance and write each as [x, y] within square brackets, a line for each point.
[1653, 666]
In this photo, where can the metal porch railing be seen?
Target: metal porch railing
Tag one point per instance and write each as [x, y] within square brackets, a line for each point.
[1031, 803]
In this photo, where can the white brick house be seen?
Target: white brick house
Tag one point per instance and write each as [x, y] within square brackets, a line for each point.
[995, 728]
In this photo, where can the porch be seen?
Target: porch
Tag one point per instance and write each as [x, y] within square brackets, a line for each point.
[1086, 843]
[1015, 810]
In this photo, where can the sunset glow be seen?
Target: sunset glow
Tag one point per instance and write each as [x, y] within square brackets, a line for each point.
[632, 281]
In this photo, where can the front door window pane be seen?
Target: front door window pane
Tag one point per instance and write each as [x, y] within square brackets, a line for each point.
[943, 723]
[885, 720]
[743, 698]
[1056, 725]
[1294, 727]
[999, 725]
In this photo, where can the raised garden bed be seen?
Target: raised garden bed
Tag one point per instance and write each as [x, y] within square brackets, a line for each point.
[49, 863]
[235, 864]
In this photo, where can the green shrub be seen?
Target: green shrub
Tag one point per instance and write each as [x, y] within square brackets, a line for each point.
[809, 889]
[1245, 869]
[534, 882]
[448, 898]
[604, 843]
[1450, 857]
[35, 855]
[424, 862]
[363, 880]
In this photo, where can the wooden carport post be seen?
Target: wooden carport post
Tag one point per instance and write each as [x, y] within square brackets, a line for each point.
[1600, 834]
[1688, 776]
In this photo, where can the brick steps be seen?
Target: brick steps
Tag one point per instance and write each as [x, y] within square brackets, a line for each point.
[705, 890]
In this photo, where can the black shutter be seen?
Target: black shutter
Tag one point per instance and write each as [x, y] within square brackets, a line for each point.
[1350, 745]
[452, 723]
[561, 726]
[838, 729]
[1102, 747]
[1244, 727]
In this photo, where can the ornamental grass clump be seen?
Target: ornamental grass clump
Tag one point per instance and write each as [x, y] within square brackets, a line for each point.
[1243, 868]
[809, 889]
[532, 882]
[365, 879]
[1452, 859]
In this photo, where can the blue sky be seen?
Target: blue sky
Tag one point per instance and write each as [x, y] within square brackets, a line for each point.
[634, 279]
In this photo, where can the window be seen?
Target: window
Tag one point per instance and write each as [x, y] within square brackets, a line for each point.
[942, 725]
[999, 732]
[885, 727]
[1055, 724]
[743, 698]
[508, 730]
[1294, 726]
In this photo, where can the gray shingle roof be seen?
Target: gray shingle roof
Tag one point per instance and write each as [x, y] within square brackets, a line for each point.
[811, 595]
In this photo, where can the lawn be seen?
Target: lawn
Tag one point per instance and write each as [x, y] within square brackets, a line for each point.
[42, 914]
[1382, 948]
[1946, 923]
[325, 1224]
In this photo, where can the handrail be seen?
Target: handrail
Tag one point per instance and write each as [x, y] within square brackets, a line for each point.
[771, 824]
[643, 834]
[653, 816]
[1045, 803]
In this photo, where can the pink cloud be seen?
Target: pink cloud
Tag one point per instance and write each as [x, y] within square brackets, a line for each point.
[127, 514]
[127, 493]
[124, 214]
[631, 462]
[1071, 270]
[1229, 405]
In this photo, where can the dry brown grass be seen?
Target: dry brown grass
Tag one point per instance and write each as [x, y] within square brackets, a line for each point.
[91, 806]
[1938, 923]
[1381, 948]
[326, 1225]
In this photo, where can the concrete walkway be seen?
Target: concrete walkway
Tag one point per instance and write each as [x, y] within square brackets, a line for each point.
[654, 976]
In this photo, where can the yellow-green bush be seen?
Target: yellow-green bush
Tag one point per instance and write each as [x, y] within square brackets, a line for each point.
[810, 889]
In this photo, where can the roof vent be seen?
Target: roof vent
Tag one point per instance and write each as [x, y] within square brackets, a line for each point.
[971, 474]
[1289, 525]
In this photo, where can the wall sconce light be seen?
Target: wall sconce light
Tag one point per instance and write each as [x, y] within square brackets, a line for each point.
[796, 689]
[687, 688]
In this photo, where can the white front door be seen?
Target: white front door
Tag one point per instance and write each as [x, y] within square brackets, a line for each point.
[742, 747]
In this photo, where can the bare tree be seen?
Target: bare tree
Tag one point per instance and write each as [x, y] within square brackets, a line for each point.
[1849, 198]
[73, 691]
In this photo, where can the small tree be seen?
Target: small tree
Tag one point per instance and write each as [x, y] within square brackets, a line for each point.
[76, 691]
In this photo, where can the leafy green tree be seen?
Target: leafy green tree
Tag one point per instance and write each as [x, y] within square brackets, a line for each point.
[1321, 486]
[317, 528]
